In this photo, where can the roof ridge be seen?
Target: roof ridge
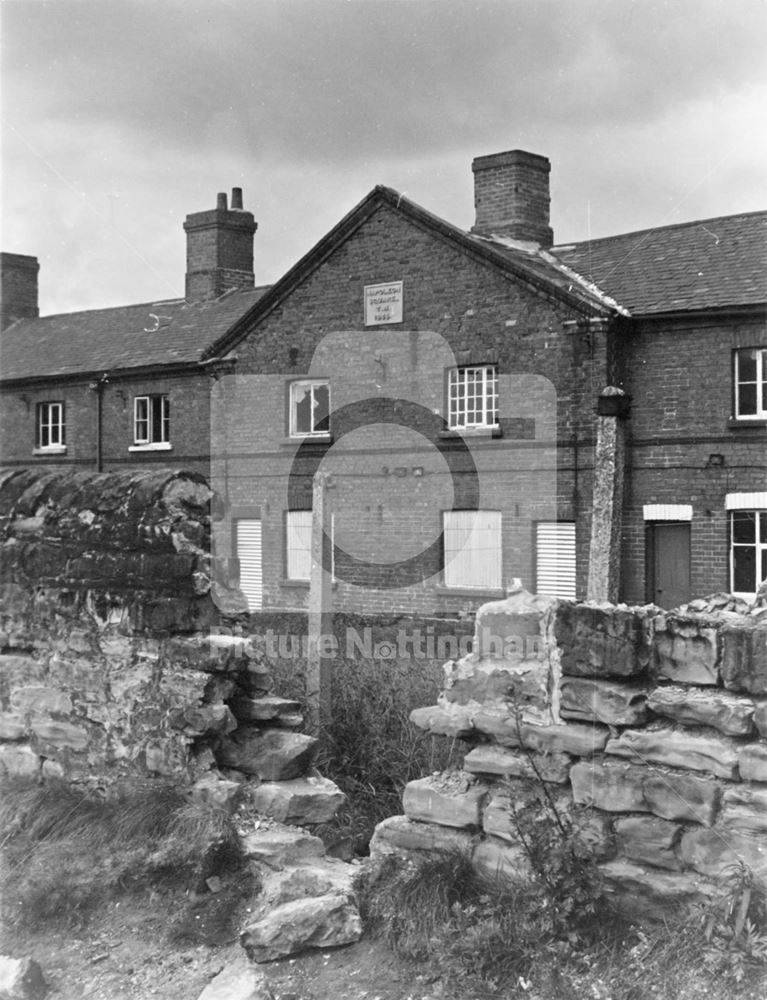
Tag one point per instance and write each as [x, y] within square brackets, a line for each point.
[573, 244]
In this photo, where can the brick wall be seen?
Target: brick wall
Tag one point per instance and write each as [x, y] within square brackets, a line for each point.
[480, 316]
[680, 378]
[189, 424]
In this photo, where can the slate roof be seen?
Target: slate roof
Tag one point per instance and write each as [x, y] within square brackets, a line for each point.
[103, 340]
[707, 264]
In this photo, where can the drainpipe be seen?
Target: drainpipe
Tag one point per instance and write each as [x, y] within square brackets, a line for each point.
[98, 388]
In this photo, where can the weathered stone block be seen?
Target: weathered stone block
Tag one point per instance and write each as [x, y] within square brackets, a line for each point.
[473, 680]
[263, 709]
[718, 755]
[12, 726]
[59, 735]
[218, 793]
[753, 762]
[498, 818]
[324, 922]
[651, 894]
[574, 738]
[21, 979]
[609, 702]
[601, 642]
[744, 656]
[272, 754]
[18, 761]
[612, 787]
[509, 763]
[712, 851]
[39, 699]
[302, 801]
[278, 846]
[500, 859]
[194, 720]
[687, 647]
[729, 713]
[449, 799]
[680, 796]
[648, 840]
[511, 629]
[744, 807]
[760, 717]
[239, 980]
[448, 720]
[400, 835]
[16, 670]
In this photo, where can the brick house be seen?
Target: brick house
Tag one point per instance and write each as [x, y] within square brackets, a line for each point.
[451, 385]
[123, 387]
[502, 343]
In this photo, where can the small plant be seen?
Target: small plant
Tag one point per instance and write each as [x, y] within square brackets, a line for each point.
[735, 926]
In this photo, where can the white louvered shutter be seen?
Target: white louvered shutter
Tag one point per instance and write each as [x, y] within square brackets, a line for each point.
[555, 559]
[473, 549]
[249, 555]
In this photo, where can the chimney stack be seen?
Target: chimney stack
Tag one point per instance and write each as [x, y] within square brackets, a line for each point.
[219, 249]
[18, 288]
[511, 196]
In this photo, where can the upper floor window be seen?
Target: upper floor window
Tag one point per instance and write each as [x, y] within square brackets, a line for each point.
[309, 408]
[751, 383]
[50, 429]
[151, 421]
[473, 396]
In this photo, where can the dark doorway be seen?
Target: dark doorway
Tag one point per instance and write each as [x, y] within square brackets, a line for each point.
[667, 571]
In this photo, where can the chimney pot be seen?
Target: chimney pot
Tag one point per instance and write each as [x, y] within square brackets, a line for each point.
[237, 199]
[221, 201]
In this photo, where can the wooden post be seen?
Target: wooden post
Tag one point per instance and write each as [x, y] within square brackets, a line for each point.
[319, 666]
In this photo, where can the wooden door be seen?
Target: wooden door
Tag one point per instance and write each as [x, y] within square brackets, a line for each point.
[668, 563]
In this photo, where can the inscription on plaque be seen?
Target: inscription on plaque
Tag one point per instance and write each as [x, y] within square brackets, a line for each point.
[383, 303]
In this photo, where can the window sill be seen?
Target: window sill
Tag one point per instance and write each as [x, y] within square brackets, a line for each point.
[479, 432]
[299, 584]
[160, 446]
[291, 442]
[479, 592]
[54, 449]
[745, 423]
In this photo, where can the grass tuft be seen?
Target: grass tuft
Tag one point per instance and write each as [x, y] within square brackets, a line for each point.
[68, 851]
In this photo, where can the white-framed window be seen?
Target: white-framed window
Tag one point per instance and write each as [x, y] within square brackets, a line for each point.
[748, 551]
[473, 558]
[50, 432]
[751, 383]
[298, 544]
[309, 408]
[472, 393]
[555, 559]
[151, 421]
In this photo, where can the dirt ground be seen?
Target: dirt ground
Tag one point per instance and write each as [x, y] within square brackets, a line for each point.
[123, 956]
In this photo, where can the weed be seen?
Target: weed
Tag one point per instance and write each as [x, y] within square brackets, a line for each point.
[68, 851]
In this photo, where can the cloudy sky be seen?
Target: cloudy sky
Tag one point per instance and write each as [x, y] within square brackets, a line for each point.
[119, 117]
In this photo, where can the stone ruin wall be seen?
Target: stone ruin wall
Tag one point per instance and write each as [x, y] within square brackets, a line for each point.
[116, 663]
[648, 727]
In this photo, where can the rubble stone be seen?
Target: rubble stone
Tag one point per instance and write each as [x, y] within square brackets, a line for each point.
[238, 980]
[729, 713]
[745, 808]
[300, 801]
[449, 720]
[716, 755]
[272, 754]
[278, 846]
[498, 858]
[648, 840]
[21, 979]
[752, 763]
[649, 893]
[687, 647]
[509, 763]
[601, 641]
[436, 799]
[315, 922]
[744, 656]
[608, 702]
[400, 835]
